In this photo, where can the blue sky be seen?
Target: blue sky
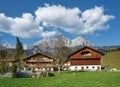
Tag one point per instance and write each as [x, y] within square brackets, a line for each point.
[31, 20]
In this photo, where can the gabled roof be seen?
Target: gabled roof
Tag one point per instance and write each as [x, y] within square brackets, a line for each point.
[8, 60]
[37, 54]
[85, 48]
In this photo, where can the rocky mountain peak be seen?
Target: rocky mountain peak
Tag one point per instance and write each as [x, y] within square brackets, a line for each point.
[70, 43]
[80, 41]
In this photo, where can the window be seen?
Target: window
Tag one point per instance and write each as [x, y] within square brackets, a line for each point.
[93, 67]
[87, 67]
[86, 54]
[44, 58]
[36, 58]
[76, 67]
[32, 58]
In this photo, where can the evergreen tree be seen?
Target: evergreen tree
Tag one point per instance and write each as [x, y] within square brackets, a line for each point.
[13, 69]
[19, 50]
[7, 54]
[2, 54]
[3, 68]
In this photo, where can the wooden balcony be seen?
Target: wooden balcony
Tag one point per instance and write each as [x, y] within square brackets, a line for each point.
[40, 65]
[39, 61]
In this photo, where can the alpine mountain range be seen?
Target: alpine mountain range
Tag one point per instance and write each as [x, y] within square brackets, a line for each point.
[46, 45]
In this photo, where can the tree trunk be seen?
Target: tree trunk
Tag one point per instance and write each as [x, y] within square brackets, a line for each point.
[58, 69]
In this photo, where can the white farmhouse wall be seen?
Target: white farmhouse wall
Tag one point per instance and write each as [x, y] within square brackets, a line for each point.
[86, 67]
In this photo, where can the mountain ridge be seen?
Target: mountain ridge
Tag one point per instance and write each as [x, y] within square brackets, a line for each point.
[47, 45]
[70, 43]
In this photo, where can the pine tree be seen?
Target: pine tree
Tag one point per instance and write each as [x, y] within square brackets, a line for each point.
[19, 50]
[2, 54]
[7, 54]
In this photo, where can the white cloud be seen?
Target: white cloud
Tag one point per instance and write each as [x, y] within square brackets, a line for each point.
[49, 34]
[25, 47]
[95, 19]
[71, 20]
[5, 23]
[24, 26]
[60, 17]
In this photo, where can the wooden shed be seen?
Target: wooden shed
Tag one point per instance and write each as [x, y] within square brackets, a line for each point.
[85, 59]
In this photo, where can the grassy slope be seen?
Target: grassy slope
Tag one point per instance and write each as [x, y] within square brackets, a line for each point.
[111, 59]
[66, 79]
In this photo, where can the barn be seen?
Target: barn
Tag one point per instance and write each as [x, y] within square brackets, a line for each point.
[85, 59]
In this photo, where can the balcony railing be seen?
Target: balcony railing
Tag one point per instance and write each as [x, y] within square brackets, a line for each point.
[39, 65]
[39, 61]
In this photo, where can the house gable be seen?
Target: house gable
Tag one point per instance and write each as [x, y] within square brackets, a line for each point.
[38, 60]
[38, 56]
[85, 52]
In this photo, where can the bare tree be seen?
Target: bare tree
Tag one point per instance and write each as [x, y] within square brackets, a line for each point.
[60, 51]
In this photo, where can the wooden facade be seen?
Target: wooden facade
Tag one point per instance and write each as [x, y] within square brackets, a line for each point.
[86, 57]
[39, 61]
[86, 61]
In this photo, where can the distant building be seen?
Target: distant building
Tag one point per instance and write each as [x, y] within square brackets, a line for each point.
[85, 59]
[10, 62]
[38, 62]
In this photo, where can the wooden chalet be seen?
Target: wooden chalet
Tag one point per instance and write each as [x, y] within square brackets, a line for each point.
[10, 62]
[39, 61]
[85, 59]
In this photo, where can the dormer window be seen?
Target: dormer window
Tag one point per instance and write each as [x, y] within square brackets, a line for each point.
[36, 58]
[32, 58]
[86, 54]
[44, 58]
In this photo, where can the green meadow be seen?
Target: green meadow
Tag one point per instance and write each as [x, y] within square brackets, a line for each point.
[67, 79]
[111, 59]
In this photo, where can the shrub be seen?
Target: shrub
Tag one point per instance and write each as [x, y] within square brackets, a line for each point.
[51, 74]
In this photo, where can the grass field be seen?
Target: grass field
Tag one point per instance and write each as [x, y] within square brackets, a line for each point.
[111, 59]
[66, 79]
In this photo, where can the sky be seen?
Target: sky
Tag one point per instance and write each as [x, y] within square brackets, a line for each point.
[32, 20]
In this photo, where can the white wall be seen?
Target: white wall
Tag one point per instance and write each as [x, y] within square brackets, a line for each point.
[90, 67]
